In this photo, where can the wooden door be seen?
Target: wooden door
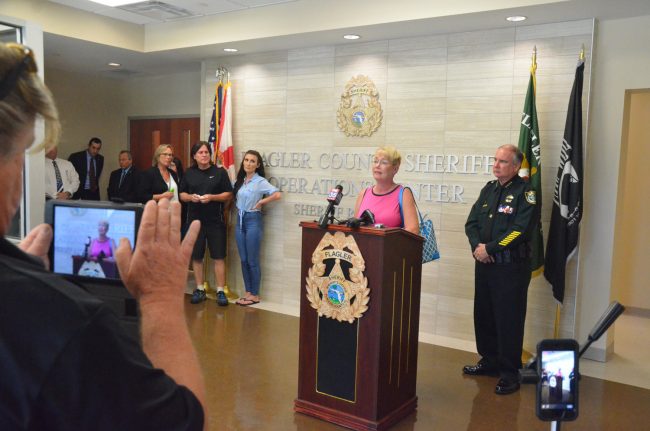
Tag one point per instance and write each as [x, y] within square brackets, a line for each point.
[146, 135]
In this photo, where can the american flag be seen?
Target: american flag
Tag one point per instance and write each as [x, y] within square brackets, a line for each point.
[224, 142]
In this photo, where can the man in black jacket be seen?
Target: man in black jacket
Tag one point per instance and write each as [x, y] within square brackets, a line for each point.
[122, 182]
[88, 164]
[499, 227]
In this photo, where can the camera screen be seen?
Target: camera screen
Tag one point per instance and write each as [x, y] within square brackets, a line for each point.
[558, 380]
[86, 238]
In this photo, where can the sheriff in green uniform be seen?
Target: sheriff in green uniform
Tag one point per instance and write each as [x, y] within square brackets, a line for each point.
[498, 228]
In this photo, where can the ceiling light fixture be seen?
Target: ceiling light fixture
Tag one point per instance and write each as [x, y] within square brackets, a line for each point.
[115, 3]
[230, 49]
[351, 37]
[113, 64]
[516, 18]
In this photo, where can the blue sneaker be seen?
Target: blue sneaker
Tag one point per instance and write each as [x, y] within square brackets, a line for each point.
[221, 298]
[198, 296]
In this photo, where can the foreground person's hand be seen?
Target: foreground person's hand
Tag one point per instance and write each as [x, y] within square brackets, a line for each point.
[157, 269]
[37, 243]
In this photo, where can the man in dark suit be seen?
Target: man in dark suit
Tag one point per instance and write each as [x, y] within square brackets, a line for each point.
[121, 185]
[89, 165]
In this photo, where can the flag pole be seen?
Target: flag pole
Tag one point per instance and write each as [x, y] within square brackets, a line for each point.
[224, 78]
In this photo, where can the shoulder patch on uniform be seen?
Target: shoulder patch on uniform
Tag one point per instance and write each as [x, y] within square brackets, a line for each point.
[531, 197]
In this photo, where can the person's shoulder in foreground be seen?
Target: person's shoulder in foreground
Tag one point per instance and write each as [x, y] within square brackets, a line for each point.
[69, 365]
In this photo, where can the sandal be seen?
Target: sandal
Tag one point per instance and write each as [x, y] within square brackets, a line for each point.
[246, 301]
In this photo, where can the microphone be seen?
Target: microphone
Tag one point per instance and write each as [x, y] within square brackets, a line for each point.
[334, 198]
[366, 218]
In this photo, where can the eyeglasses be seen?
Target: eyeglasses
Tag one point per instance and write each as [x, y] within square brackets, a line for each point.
[27, 63]
[382, 162]
[167, 154]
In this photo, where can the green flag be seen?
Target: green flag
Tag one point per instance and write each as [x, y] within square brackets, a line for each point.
[531, 167]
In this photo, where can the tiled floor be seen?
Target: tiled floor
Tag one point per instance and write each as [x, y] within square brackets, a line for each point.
[630, 363]
[250, 361]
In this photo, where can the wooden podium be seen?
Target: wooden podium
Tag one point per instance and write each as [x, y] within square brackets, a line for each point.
[361, 375]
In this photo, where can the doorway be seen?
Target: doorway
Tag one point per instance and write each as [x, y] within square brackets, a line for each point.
[146, 134]
[630, 272]
[630, 269]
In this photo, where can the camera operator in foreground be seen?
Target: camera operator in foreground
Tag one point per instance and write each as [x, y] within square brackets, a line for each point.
[67, 364]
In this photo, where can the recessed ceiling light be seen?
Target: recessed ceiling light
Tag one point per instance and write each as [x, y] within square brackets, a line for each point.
[351, 37]
[230, 49]
[516, 18]
[112, 64]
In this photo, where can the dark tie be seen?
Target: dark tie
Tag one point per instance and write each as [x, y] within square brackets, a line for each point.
[57, 173]
[92, 175]
[122, 178]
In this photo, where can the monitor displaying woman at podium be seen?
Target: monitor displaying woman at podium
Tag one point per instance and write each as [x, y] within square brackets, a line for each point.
[383, 199]
[82, 245]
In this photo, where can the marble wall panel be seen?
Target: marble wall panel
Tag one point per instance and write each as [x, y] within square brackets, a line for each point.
[582, 28]
[312, 53]
[310, 81]
[420, 42]
[479, 87]
[484, 52]
[499, 35]
[418, 57]
[480, 69]
[479, 104]
[310, 66]
[362, 49]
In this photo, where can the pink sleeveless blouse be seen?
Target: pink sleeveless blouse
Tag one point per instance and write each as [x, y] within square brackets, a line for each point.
[97, 247]
[385, 207]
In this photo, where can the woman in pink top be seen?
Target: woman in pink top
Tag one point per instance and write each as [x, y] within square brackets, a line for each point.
[102, 246]
[382, 199]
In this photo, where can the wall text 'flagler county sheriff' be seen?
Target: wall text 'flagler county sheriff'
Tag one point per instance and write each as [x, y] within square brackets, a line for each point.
[450, 164]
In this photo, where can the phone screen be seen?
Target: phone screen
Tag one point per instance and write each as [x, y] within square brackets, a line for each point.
[557, 393]
[86, 238]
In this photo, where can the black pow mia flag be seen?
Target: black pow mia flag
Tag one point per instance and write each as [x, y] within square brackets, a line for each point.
[567, 199]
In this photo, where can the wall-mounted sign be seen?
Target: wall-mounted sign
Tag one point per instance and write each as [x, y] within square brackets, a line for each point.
[359, 112]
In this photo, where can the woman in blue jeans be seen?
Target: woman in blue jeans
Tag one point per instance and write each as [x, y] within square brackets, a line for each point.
[252, 191]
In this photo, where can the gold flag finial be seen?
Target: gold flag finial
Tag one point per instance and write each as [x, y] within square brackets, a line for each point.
[534, 58]
[582, 52]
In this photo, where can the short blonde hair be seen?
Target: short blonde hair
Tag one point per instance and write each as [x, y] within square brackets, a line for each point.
[158, 152]
[25, 98]
[391, 153]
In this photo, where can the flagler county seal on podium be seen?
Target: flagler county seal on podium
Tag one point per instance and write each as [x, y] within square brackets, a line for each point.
[336, 286]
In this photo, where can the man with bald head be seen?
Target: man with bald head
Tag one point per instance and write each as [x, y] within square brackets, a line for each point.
[499, 228]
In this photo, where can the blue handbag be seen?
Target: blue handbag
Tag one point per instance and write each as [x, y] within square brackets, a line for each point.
[430, 250]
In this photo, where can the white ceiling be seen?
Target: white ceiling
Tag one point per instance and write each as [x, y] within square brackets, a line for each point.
[66, 53]
[147, 12]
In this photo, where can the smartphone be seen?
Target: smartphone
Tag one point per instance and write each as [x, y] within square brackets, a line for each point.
[557, 387]
[86, 235]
